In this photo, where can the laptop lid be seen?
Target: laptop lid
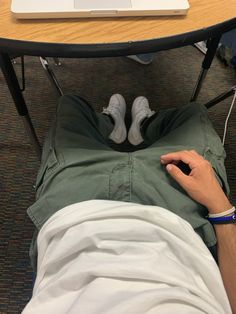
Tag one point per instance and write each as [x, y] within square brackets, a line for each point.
[30, 9]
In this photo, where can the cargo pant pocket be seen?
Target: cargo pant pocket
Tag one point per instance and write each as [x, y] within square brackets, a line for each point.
[217, 162]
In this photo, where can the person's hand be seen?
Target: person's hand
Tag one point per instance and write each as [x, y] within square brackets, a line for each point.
[201, 183]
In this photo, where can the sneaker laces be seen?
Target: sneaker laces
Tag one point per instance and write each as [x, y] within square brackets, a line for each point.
[145, 111]
[112, 110]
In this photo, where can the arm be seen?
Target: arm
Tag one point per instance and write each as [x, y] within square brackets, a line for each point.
[226, 236]
[202, 185]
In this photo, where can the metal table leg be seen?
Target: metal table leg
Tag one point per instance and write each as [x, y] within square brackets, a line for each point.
[52, 77]
[211, 51]
[13, 85]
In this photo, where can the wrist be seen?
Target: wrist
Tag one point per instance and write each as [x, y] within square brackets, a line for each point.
[219, 206]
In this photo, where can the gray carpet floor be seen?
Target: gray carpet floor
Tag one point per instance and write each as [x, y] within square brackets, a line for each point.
[167, 82]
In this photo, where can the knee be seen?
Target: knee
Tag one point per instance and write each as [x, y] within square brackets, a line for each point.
[71, 104]
[195, 109]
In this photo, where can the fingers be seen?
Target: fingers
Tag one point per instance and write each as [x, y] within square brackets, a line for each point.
[178, 175]
[191, 158]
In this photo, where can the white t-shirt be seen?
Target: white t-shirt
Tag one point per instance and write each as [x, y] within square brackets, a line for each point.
[109, 257]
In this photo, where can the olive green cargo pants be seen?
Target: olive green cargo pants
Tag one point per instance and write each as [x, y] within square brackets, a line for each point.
[78, 164]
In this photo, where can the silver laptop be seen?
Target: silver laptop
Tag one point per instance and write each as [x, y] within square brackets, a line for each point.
[32, 9]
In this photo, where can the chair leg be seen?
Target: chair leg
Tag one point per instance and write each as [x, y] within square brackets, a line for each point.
[51, 76]
[29, 129]
[14, 88]
[14, 61]
[212, 46]
[220, 98]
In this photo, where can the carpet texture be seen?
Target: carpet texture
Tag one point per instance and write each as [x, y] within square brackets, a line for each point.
[167, 82]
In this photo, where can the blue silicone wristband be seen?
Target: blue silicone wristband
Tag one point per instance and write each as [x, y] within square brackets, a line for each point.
[223, 220]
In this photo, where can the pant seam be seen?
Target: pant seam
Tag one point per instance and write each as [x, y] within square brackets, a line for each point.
[130, 175]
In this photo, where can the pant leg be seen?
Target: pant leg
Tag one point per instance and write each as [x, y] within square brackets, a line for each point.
[77, 164]
[173, 130]
[75, 161]
[188, 127]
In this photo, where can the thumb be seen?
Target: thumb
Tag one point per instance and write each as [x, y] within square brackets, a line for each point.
[177, 174]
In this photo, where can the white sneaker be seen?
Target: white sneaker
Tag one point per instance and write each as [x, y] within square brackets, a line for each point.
[140, 111]
[116, 109]
[144, 58]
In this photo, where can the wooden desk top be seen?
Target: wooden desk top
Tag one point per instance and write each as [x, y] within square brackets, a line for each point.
[203, 14]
